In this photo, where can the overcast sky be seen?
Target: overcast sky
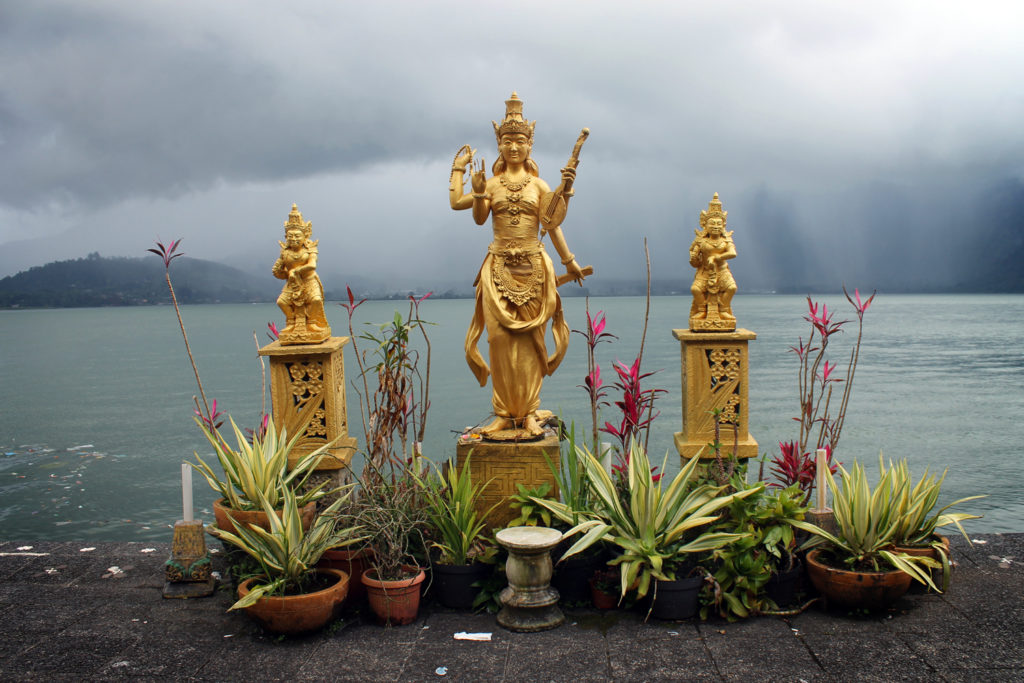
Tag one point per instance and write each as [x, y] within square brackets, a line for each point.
[124, 121]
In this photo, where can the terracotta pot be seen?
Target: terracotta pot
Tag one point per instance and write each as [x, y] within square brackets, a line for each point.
[291, 614]
[927, 551]
[869, 590]
[224, 515]
[601, 599]
[394, 602]
[353, 563]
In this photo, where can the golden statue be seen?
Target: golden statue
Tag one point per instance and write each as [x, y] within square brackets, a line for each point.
[516, 287]
[713, 285]
[302, 298]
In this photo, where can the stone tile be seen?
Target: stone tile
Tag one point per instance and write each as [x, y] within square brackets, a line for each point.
[362, 653]
[564, 653]
[766, 647]
[878, 656]
[667, 658]
[57, 656]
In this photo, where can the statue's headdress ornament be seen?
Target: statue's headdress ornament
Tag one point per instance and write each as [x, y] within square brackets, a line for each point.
[514, 121]
[714, 210]
[295, 222]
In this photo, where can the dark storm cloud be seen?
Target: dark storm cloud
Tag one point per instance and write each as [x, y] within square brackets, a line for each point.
[205, 119]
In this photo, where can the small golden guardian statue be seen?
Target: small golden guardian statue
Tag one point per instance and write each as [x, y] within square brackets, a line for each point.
[302, 298]
[713, 285]
[516, 287]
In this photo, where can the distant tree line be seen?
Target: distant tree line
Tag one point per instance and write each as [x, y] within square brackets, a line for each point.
[121, 281]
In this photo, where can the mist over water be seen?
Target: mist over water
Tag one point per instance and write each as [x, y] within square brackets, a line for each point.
[97, 409]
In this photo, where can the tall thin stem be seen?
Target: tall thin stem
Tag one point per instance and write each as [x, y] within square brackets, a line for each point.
[188, 347]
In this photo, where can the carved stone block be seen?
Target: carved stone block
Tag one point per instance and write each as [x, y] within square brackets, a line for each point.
[307, 382]
[506, 464]
[715, 377]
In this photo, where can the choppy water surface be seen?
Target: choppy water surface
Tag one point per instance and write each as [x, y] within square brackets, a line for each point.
[96, 415]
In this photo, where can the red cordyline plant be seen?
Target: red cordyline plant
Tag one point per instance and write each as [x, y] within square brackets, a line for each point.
[795, 467]
[816, 381]
[594, 334]
[817, 376]
[207, 413]
[636, 405]
[168, 254]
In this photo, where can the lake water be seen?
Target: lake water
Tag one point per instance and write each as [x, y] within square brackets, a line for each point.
[96, 413]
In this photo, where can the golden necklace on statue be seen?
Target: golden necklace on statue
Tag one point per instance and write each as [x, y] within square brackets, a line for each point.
[514, 193]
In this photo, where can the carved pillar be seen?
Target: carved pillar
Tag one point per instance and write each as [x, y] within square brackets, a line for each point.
[714, 369]
[307, 381]
[505, 464]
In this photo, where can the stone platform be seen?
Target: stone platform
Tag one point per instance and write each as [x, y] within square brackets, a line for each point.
[68, 615]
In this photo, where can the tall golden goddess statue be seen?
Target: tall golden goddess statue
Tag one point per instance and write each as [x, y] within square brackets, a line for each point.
[516, 287]
[302, 297]
[713, 285]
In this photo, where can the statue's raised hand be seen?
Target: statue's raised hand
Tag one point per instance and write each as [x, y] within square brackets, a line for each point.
[478, 177]
[463, 158]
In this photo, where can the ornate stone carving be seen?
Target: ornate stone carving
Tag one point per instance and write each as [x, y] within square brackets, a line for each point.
[504, 465]
[714, 378]
[307, 385]
[516, 295]
[302, 298]
[713, 284]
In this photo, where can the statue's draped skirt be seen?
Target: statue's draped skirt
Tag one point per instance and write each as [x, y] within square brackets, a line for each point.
[515, 332]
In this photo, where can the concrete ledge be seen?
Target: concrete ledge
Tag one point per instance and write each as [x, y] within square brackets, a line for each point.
[68, 614]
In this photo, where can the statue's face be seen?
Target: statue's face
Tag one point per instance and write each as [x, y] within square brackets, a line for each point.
[294, 238]
[514, 148]
[715, 226]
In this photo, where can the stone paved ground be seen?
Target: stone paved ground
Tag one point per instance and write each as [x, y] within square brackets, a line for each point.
[65, 615]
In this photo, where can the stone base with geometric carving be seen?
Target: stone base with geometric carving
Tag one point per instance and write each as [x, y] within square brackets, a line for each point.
[307, 386]
[715, 377]
[506, 464]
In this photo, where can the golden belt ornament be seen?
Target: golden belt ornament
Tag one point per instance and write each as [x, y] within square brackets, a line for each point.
[515, 254]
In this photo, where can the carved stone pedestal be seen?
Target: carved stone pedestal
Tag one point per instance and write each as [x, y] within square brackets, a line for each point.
[188, 571]
[714, 368]
[509, 463]
[307, 382]
[529, 603]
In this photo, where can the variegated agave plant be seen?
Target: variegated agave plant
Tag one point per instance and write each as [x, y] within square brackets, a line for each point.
[287, 553]
[867, 521]
[259, 467]
[656, 527]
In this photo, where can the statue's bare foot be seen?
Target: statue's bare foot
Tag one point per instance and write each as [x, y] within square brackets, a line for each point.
[532, 426]
[497, 425]
[726, 315]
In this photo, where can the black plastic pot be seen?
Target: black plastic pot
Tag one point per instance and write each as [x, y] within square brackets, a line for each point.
[675, 600]
[783, 587]
[572, 576]
[453, 584]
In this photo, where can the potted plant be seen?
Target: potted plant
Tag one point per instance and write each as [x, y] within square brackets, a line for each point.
[859, 567]
[657, 528]
[463, 556]
[918, 519]
[572, 574]
[290, 595]
[760, 572]
[392, 514]
[256, 472]
[604, 588]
